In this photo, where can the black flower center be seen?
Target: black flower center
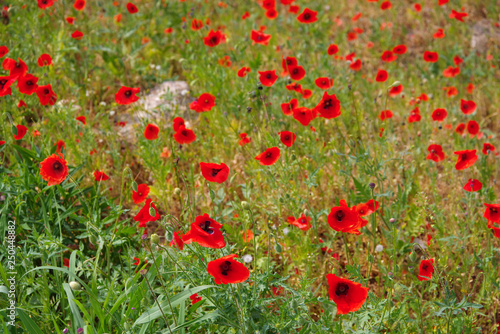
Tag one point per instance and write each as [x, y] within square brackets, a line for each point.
[205, 226]
[493, 210]
[57, 165]
[340, 215]
[215, 171]
[225, 267]
[3, 82]
[307, 16]
[342, 289]
[327, 104]
[46, 91]
[128, 93]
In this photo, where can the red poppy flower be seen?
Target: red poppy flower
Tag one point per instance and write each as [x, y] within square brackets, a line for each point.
[194, 298]
[204, 103]
[226, 270]
[27, 84]
[458, 15]
[467, 107]
[307, 16]
[472, 128]
[297, 72]
[82, 119]
[177, 240]
[126, 95]
[488, 148]
[366, 209]
[184, 136]
[435, 153]
[303, 115]
[214, 38]
[439, 34]
[324, 83]
[396, 90]
[492, 212]
[77, 35]
[400, 49]
[288, 62]
[271, 14]
[141, 194]
[99, 176]
[287, 138]
[268, 4]
[451, 91]
[466, 159]
[332, 49]
[21, 103]
[386, 5]
[132, 9]
[460, 128]
[214, 172]
[70, 20]
[295, 87]
[268, 78]
[473, 185]
[288, 108]
[442, 2]
[349, 296]
[46, 95]
[79, 4]
[356, 66]
[5, 83]
[21, 132]
[151, 132]
[385, 114]
[196, 24]
[414, 116]
[206, 232]
[16, 69]
[178, 122]
[307, 93]
[451, 72]
[42, 4]
[388, 56]
[431, 57]
[269, 156]
[54, 169]
[244, 139]
[242, 72]
[426, 270]
[3, 51]
[59, 146]
[439, 114]
[258, 37]
[328, 107]
[143, 215]
[245, 16]
[294, 9]
[303, 222]
[44, 60]
[382, 76]
[344, 219]
[470, 88]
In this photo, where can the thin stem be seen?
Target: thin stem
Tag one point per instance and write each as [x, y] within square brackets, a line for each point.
[157, 303]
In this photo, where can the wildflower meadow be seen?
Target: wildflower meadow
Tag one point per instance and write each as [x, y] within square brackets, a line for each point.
[249, 166]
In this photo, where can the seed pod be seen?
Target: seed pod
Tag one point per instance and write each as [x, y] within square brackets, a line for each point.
[75, 286]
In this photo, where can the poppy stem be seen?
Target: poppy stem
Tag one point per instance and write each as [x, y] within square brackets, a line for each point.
[346, 248]
[157, 303]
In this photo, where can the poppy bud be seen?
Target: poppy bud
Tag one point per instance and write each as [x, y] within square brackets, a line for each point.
[177, 191]
[75, 286]
[93, 239]
[169, 235]
[392, 220]
[293, 157]
[306, 212]
[245, 205]
[134, 186]
[371, 185]
[395, 84]
[413, 256]
[155, 238]
[13, 129]
[278, 248]
[152, 211]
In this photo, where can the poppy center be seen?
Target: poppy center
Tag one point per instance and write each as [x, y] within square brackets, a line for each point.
[57, 165]
[215, 171]
[128, 93]
[46, 91]
[340, 215]
[3, 82]
[268, 76]
[214, 39]
[492, 210]
[29, 83]
[327, 104]
[342, 289]
[307, 16]
[225, 267]
[205, 226]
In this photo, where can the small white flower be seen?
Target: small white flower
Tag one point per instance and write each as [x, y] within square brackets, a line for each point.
[379, 248]
[111, 112]
[158, 67]
[184, 92]
[152, 65]
[247, 258]
[102, 103]
[286, 230]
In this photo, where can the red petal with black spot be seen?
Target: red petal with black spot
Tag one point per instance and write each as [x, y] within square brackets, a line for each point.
[473, 185]
[269, 156]
[287, 138]
[492, 212]
[344, 219]
[268, 78]
[27, 84]
[151, 132]
[328, 107]
[143, 215]
[348, 295]
[426, 270]
[184, 136]
[126, 95]
[466, 159]
[54, 169]
[214, 172]
[226, 270]
[206, 232]
[141, 194]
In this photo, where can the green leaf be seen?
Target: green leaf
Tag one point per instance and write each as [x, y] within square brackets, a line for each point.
[28, 323]
[78, 321]
[154, 312]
